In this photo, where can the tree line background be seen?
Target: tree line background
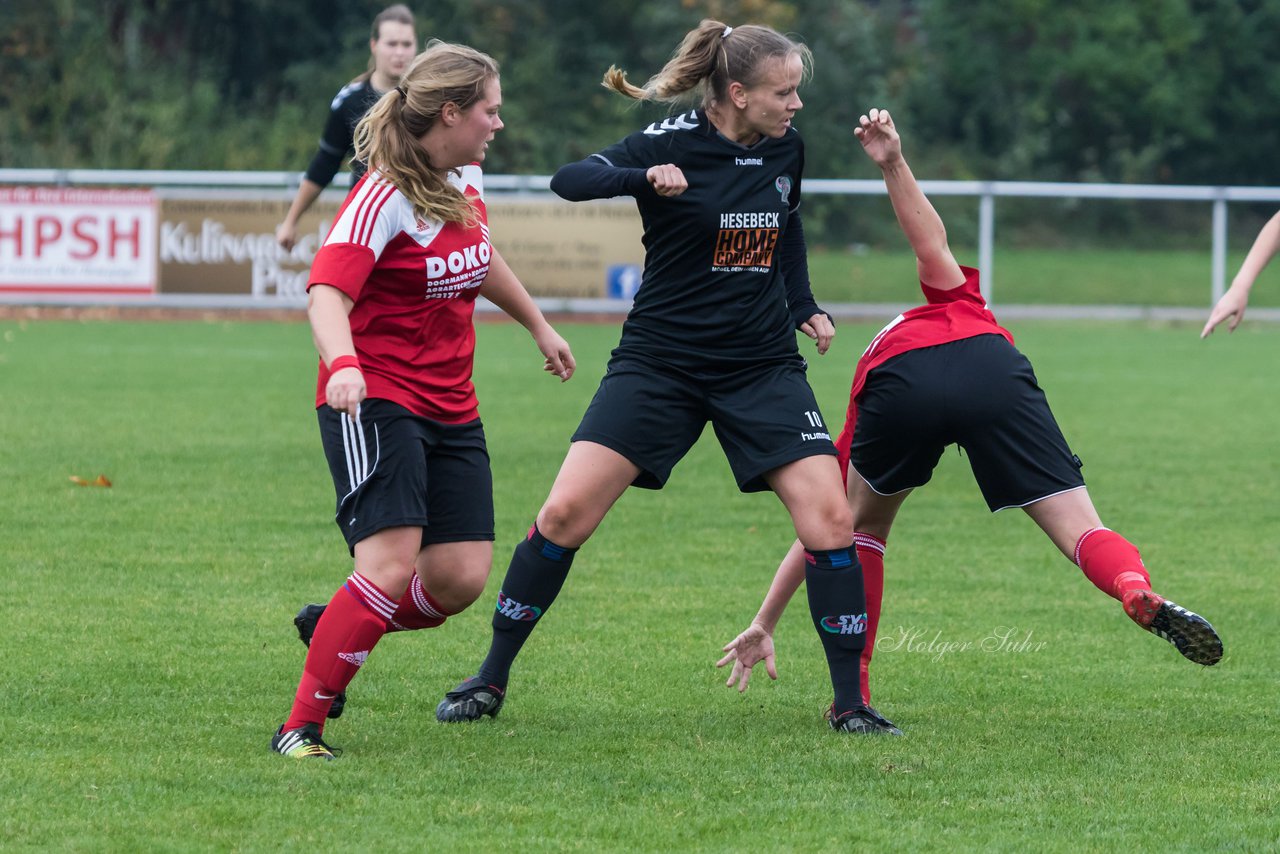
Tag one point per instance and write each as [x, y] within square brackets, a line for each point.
[1151, 91]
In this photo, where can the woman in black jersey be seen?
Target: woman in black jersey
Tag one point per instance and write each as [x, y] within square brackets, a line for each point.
[711, 337]
[391, 47]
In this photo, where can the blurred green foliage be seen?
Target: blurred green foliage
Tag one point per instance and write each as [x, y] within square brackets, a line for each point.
[1162, 91]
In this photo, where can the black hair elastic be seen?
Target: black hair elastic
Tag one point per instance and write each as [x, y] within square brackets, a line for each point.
[403, 93]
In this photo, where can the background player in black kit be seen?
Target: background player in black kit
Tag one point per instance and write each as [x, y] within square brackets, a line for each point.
[392, 46]
[711, 337]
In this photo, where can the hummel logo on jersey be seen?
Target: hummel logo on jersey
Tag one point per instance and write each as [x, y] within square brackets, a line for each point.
[356, 658]
[845, 624]
[512, 609]
[748, 161]
[685, 121]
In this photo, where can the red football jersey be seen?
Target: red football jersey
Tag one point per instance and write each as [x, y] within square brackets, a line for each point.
[414, 285]
[947, 315]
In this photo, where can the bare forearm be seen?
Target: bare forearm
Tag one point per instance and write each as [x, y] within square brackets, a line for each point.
[502, 288]
[327, 309]
[1264, 248]
[308, 192]
[920, 222]
[786, 581]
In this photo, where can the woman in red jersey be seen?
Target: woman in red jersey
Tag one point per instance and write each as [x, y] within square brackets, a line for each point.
[946, 372]
[392, 293]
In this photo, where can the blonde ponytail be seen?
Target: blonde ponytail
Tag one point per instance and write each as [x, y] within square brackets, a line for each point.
[708, 59]
[387, 137]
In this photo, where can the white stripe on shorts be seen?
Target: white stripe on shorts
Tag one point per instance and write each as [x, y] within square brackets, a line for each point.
[355, 447]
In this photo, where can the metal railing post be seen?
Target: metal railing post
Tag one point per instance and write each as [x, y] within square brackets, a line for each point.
[1219, 279]
[986, 239]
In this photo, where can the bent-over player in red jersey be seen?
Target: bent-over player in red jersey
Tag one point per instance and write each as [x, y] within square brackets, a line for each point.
[946, 372]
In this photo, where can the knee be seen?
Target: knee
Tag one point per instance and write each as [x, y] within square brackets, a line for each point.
[392, 577]
[459, 589]
[839, 522]
[563, 522]
[831, 527]
[874, 524]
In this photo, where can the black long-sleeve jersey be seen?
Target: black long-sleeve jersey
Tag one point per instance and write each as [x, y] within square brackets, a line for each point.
[725, 279]
[345, 111]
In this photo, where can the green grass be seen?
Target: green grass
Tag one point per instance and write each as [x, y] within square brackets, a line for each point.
[1043, 277]
[149, 652]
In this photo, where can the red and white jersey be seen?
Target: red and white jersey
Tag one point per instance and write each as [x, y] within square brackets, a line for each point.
[947, 315]
[414, 285]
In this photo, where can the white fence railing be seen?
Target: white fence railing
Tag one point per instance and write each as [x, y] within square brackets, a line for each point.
[985, 191]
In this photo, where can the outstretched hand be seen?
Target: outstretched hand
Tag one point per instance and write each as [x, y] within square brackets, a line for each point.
[746, 651]
[1230, 307]
[879, 137]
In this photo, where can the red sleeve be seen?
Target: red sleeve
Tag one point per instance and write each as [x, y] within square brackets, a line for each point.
[345, 266]
[967, 292]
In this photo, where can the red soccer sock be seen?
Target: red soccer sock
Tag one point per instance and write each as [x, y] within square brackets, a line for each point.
[417, 609]
[871, 556]
[352, 624]
[1111, 562]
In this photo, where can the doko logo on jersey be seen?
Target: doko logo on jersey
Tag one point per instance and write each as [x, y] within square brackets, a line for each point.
[512, 609]
[845, 624]
[461, 269]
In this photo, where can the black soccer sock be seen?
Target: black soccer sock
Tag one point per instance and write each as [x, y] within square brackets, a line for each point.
[838, 604]
[534, 578]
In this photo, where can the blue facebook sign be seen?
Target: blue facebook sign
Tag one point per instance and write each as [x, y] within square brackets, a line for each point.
[623, 280]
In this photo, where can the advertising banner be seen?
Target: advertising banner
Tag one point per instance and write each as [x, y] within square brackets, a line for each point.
[66, 241]
[62, 241]
[225, 244]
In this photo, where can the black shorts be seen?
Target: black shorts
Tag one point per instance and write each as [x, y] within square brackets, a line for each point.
[764, 417]
[979, 393]
[394, 469]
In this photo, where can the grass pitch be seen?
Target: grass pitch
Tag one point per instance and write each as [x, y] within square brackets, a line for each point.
[149, 652]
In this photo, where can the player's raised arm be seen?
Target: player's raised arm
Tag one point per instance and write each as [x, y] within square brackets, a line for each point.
[920, 222]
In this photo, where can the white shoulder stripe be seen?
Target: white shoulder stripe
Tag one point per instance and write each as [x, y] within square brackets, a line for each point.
[684, 121]
[346, 229]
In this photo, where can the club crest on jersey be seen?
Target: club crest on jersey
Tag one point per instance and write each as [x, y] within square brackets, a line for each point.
[783, 185]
